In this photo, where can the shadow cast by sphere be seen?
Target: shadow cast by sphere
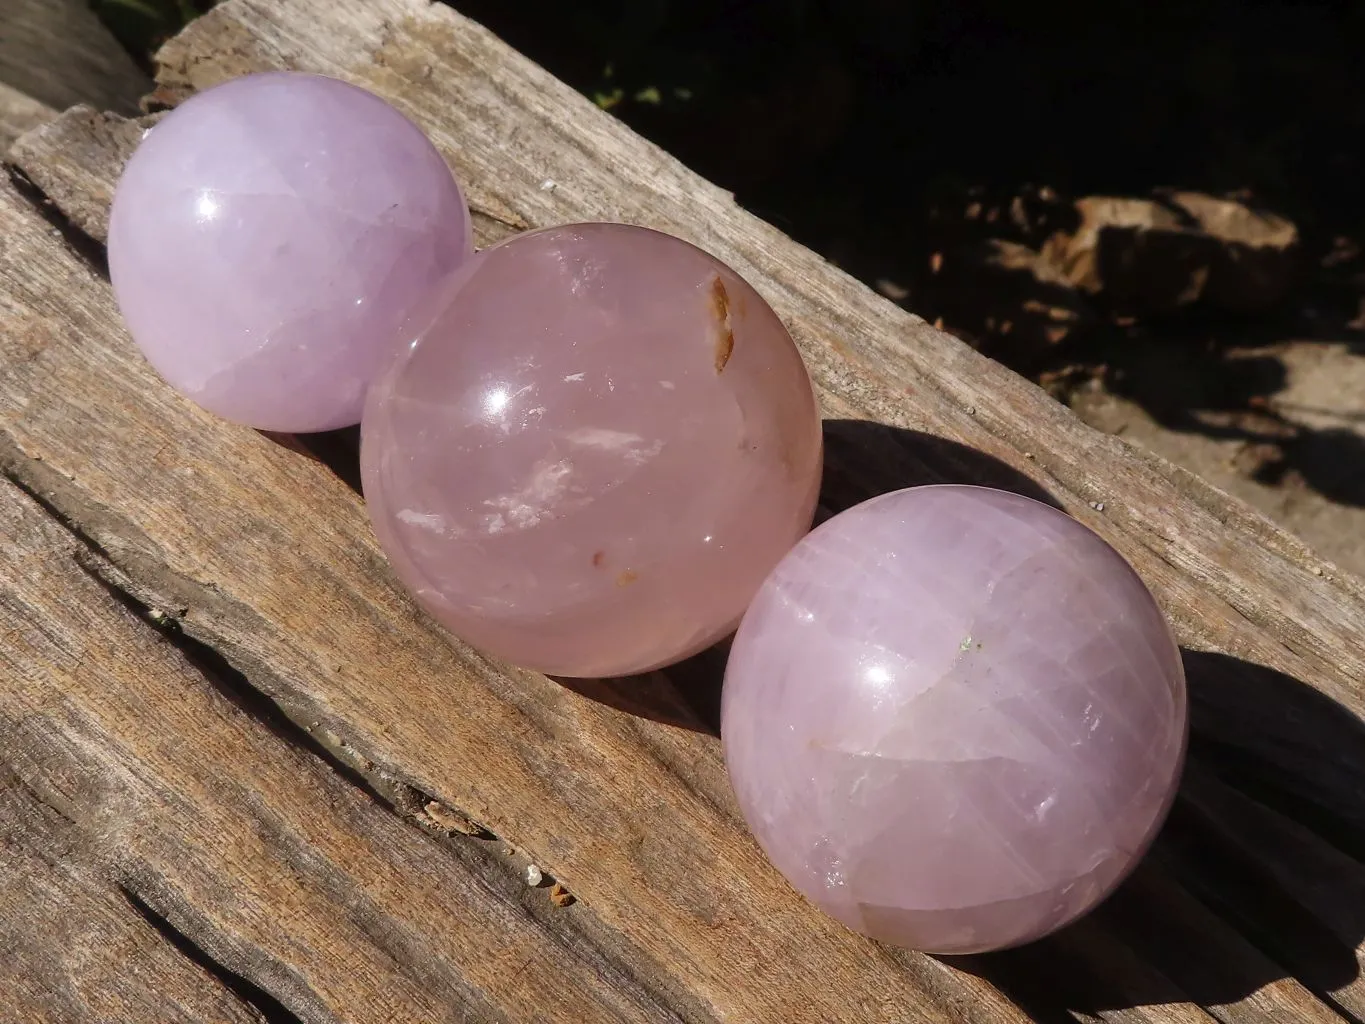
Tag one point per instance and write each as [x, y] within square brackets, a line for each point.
[1285, 744]
[685, 695]
[338, 450]
[1258, 874]
[862, 460]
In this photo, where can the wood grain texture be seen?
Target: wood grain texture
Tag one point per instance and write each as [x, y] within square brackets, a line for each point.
[279, 868]
[636, 811]
[76, 159]
[90, 936]
[59, 53]
[264, 556]
[19, 113]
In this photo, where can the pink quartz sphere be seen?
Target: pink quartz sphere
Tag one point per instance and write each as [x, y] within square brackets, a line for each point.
[955, 718]
[598, 443]
[269, 237]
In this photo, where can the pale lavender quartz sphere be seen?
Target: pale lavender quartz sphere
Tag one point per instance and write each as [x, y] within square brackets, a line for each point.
[955, 718]
[599, 442]
[269, 237]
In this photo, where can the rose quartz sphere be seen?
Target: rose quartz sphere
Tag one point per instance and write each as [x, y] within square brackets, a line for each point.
[954, 717]
[268, 238]
[597, 445]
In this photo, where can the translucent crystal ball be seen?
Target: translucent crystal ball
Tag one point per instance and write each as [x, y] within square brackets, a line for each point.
[954, 718]
[598, 443]
[268, 239]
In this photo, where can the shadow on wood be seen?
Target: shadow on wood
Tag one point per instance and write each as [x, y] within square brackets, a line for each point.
[1257, 877]
[1253, 880]
[338, 450]
[863, 459]
[330, 898]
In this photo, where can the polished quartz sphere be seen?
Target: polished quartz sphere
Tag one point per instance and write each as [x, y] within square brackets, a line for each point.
[597, 444]
[269, 237]
[954, 717]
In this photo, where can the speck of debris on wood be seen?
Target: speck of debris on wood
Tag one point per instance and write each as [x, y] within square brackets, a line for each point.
[451, 820]
[627, 577]
[598, 558]
[725, 338]
[1098, 506]
[560, 896]
[533, 876]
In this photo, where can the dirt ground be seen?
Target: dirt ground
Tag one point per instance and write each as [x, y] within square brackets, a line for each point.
[1305, 465]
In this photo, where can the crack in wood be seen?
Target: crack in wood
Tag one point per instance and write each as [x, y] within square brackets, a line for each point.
[489, 855]
[272, 1011]
[232, 683]
[89, 250]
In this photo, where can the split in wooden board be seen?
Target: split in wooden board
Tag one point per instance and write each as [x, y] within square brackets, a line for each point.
[208, 800]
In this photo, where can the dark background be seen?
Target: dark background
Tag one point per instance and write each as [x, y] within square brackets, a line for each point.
[848, 122]
[846, 119]
[868, 129]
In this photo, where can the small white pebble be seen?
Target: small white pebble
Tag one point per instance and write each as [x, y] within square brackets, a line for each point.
[1098, 506]
[971, 410]
[1028, 455]
[532, 875]
[1317, 570]
[549, 185]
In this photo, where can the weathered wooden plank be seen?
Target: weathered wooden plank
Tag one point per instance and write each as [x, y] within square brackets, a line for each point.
[19, 113]
[276, 866]
[76, 159]
[1229, 575]
[639, 812]
[59, 53]
[272, 562]
[1300, 898]
[89, 939]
